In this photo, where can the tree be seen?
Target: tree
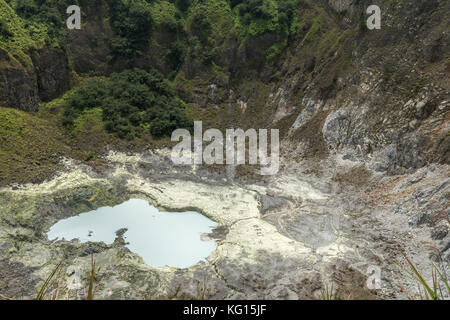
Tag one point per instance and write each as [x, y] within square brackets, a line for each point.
[131, 100]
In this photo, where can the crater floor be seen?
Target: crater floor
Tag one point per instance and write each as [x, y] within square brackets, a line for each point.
[283, 238]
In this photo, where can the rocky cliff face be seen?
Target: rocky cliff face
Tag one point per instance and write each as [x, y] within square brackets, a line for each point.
[24, 87]
[391, 109]
[18, 85]
[380, 96]
[376, 96]
[52, 72]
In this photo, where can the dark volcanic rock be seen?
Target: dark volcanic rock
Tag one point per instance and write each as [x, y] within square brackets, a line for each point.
[53, 73]
[13, 283]
[18, 85]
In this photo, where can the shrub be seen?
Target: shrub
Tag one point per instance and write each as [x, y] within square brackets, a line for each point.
[26, 8]
[200, 26]
[132, 23]
[4, 29]
[130, 100]
[177, 54]
[183, 5]
[260, 16]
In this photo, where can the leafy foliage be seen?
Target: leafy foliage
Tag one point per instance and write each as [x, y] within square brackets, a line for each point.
[50, 12]
[132, 22]
[48, 15]
[177, 54]
[4, 29]
[27, 8]
[260, 16]
[132, 102]
[439, 286]
[183, 5]
[200, 26]
[329, 293]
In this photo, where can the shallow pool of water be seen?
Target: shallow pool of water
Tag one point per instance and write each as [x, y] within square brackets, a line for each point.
[160, 238]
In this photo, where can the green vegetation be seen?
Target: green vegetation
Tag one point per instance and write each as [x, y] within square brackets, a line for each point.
[14, 37]
[132, 22]
[131, 103]
[164, 12]
[429, 291]
[183, 5]
[45, 19]
[91, 288]
[260, 16]
[329, 293]
[199, 26]
[53, 281]
[177, 54]
[30, 146]
[48, 282]
[4, 29]
[198, 32]
[275, 50]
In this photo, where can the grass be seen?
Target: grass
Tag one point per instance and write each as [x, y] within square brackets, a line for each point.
[48, 282]
[32, 143]
[433, 290]
[329, 293]
[163, 12]
[90, 295]
[202, 290]
[30, 146]
[437, 288]
[52, 279]
[21, 39]
[201, 293]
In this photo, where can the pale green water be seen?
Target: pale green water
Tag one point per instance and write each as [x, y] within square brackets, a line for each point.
[160, 238]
